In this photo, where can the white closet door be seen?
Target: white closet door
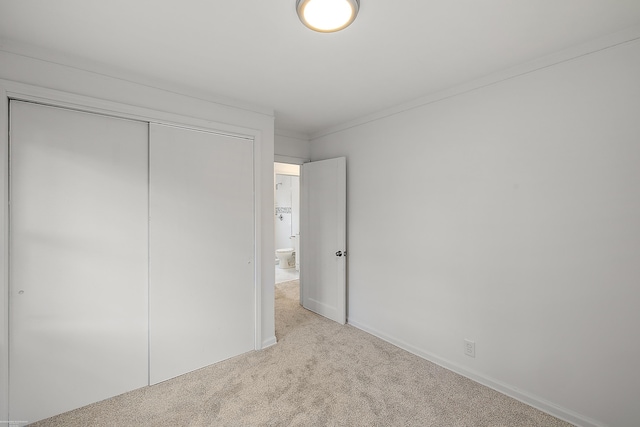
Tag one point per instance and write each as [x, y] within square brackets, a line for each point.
[202, 293]
[78, 259]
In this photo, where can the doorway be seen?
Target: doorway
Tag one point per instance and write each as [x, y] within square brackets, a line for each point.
[287, 222]
[322, 223]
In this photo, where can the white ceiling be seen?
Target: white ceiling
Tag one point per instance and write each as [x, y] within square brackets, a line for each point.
[257, 51]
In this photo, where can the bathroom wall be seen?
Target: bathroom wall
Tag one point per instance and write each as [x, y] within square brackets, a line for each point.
[287, 208]
[295, 207]
[520, 231]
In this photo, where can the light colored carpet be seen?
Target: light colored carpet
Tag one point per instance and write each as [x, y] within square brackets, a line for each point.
[319, 374]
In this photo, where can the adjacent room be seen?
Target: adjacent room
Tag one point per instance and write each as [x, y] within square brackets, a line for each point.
[287, 221]
[256, 213]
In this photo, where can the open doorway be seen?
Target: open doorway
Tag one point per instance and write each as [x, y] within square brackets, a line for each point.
[287, 222]
[320, 280]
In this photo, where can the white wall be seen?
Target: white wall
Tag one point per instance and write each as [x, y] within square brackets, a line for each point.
[284, 207]
[170, 105]
[286, 169]
[520, 212]
[295, 205]
[291, 145]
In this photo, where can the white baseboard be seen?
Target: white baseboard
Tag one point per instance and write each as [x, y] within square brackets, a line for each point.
[269, 342]
[504, 388]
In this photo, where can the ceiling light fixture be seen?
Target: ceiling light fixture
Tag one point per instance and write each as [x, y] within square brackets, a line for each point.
[327, 16]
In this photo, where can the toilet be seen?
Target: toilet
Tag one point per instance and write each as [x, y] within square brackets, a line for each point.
[285, 258]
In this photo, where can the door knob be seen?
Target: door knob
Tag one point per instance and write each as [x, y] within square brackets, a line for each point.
[339, 253]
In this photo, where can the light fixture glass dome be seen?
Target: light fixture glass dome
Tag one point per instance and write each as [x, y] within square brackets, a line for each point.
[327, 16]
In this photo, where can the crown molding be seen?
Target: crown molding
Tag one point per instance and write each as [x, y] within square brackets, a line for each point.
[628, 35]
[292, 134]
[94, 67]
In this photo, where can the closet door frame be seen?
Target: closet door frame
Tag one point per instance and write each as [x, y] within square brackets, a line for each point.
[10, 90]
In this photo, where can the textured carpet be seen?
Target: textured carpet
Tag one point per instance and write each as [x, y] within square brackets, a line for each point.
[319, 374]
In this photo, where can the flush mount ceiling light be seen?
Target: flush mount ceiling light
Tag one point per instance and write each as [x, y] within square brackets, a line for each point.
[327, 16]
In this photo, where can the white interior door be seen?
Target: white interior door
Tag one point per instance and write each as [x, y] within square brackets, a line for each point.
[323, 216]
[78, 259]
[202, 292]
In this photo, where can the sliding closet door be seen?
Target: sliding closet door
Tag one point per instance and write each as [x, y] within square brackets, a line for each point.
[78, 259]
[202, 307]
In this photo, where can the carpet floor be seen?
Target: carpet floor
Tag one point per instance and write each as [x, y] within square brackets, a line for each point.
[319, 374]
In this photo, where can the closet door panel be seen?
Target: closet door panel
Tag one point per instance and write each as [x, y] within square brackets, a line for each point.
[202, 302]
[78, 259]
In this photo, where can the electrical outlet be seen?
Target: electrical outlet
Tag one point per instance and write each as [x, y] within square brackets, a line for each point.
[470, 348]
